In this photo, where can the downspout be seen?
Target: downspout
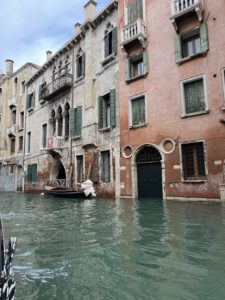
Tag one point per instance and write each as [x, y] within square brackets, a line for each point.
[24, 139]
[70, 139]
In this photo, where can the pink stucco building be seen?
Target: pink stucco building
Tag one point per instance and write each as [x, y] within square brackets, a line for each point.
[172, 98]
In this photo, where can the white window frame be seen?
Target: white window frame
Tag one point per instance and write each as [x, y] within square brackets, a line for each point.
[192, 79]
[130, 110]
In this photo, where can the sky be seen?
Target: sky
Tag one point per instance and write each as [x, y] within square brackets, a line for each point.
[31, 27]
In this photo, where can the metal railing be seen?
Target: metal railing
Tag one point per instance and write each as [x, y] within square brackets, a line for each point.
[55, 142]
[58, 85]
[179, 6]
[132, 31]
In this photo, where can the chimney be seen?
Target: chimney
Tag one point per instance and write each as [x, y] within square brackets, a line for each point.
[9, 67]
[90, 10]
[48, 55]
[77, 28]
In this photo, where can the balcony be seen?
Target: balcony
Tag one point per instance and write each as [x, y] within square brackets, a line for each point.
[11, 130]
[134, 32]
[56, 87]
[12, 101]
[55, 142]
[182, 8]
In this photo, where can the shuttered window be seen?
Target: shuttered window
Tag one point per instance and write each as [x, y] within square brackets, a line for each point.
[194, 98]
[110, 42]
[30, 102]
[136, 66]
[193, 161]
[28, 142]
[75, 119]
[105, 166]
[191, 43]
[134, 10]
[138, 111]
[32, 173]
[107, 110]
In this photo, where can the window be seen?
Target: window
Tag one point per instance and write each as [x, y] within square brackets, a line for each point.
[42, 91]
[192, 43]
[44, 135]
[13, 116]
[193, 161]
[194, 98]
[23, 87]
[137, 111]
[75, 122]
[30, 101]
[15, 85]
[28, 142]
[107, 110]
[67, 120]
[105, 166]
[60, 121]
[80, 66]
[110, 41]
[79, 168]
[134, 10]
[136, 66]
[12, 145]
[32, 173]
[22, 120]
[21, 143]
[11, 170]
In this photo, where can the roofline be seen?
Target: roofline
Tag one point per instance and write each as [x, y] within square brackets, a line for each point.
[76, 39]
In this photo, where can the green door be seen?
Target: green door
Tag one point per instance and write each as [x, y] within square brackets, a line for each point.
[149, 180]
[149, 173]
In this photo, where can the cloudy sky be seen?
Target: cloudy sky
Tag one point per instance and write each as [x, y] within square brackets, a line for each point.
[31, 27]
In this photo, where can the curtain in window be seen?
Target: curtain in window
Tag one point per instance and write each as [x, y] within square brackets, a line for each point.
[194, 96]
[138, 111]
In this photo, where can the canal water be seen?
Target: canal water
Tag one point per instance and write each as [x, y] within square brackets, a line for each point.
[115, 250]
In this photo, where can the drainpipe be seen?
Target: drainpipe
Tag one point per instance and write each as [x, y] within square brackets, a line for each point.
[71, 141]
[24, 139]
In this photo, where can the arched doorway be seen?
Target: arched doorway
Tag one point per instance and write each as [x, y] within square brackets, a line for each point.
[58, 170]
[149, 173]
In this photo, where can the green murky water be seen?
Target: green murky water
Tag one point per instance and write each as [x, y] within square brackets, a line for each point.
[123, 249]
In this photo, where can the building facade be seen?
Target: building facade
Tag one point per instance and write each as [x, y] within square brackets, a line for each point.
[171, 87]
[72, 120]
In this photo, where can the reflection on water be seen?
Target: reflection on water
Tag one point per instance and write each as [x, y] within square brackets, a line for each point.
[123, 249]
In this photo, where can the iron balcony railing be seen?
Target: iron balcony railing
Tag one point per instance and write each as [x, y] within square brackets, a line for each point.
[182, 6]
[133, 31]
[13, 100]
[57, 86]
[55, 142]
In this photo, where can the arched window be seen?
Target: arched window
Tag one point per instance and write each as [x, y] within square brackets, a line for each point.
[53, 122]
[67, 124]
[60, 121]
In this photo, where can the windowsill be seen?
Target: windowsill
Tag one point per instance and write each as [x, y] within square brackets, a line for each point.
[135, 78]
[20, 128]
[30, 109]
[195, 114]
[105, 129]
[194, 180]
[108, 59]
[138, 126]
[185, 59]
[79, 78]
[223, 108]
[41, 101]
[76, 137]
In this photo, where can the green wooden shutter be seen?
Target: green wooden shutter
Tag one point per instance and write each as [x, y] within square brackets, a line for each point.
[178, 48]
[72, 122]
[100, 112]
[113, 108]
[29, 173]
[106, 42]
[127, 69]
[83, 64]
[114, 40]
[145, 62]
[78, 121]
[34, 172]
[204, 37]
[33, 99]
